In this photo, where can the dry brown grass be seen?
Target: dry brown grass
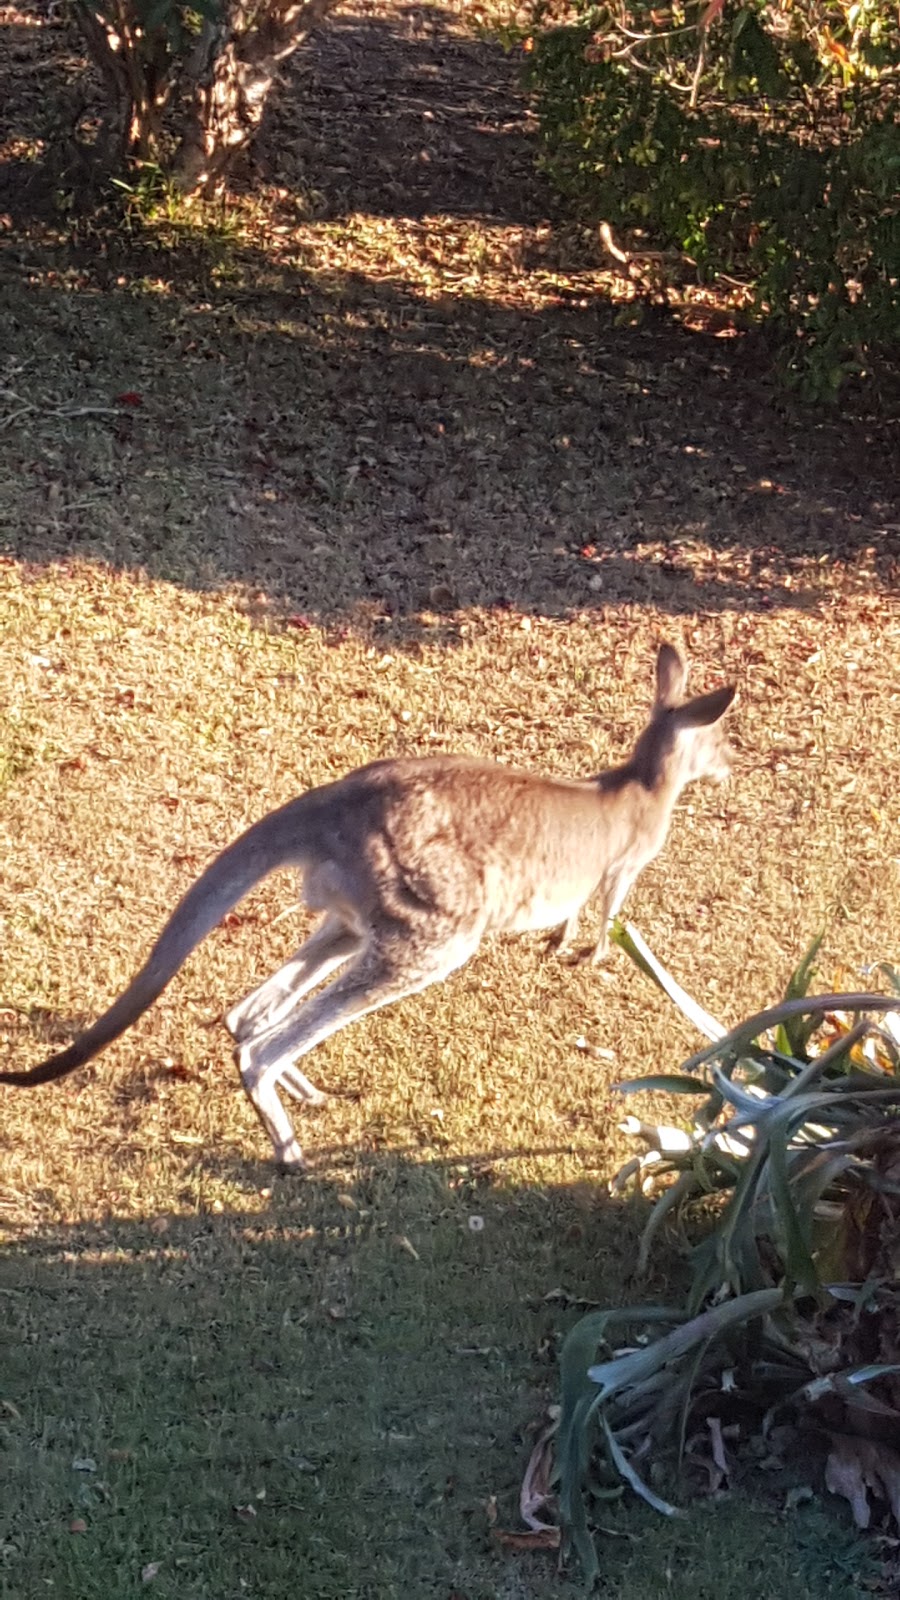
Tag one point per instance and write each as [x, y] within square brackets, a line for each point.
[398, 484]
[145, 726]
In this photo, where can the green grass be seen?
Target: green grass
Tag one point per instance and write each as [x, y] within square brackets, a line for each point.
[356, 1366]
[364, 1400]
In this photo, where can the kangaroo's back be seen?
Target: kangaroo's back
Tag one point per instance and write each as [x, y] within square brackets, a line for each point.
[412, 862]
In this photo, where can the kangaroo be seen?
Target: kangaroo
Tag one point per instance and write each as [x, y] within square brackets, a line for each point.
[413, 862]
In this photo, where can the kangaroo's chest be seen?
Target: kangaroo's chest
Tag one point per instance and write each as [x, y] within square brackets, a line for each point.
[540, 911]
[532, 899]
[526, 902]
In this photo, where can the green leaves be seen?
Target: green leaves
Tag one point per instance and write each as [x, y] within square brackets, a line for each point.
[792, 1036]
[754, 56]
[799, 1130]
[629, 1401]
[666, 121]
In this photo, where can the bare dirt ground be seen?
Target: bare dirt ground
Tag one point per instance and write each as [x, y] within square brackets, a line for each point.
[365, 463]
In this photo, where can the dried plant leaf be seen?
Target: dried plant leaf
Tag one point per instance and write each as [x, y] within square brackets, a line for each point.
[856, 1466]
[534, 1539]
[536, 1494]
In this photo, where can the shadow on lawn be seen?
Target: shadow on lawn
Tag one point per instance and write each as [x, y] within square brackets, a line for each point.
[326, 1392]
[331, 439]
[398, 113]
[329, 444]
[335, 1396]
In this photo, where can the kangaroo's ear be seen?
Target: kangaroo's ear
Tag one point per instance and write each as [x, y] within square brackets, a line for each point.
[707, 708]
[671, 676]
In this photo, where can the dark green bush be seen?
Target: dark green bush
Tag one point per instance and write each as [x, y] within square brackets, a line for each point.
[759, 141]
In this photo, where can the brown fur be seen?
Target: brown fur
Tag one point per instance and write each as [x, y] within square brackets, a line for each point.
[413, 863]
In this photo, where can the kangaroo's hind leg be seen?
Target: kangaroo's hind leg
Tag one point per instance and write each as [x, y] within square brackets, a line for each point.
[332, 943]
[387, 969]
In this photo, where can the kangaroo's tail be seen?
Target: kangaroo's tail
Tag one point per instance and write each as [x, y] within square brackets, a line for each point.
[275, 841]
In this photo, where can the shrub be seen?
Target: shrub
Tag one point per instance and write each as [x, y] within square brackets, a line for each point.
[793, 1312]
[758, 140]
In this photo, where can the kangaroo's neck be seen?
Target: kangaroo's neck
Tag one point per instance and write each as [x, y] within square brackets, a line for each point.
[652, 769]
[644, 794]
[662, 788]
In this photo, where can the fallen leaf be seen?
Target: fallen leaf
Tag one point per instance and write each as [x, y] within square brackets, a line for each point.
[536, 1494]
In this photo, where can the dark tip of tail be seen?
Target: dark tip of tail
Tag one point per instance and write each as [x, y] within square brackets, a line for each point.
[47, 1072]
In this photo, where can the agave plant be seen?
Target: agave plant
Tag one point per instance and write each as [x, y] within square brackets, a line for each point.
[793, 1310]
[799, 1109]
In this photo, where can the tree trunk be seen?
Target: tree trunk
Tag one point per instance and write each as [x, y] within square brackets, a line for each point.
[229, 77]
[137, 71]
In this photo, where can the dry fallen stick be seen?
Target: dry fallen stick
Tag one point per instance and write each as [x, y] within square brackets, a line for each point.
[625, 256]
[65, 413]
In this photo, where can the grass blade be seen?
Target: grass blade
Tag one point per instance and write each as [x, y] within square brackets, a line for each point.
[626, 936]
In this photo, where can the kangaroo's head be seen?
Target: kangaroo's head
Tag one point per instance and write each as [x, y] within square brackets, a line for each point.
[684, 739]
